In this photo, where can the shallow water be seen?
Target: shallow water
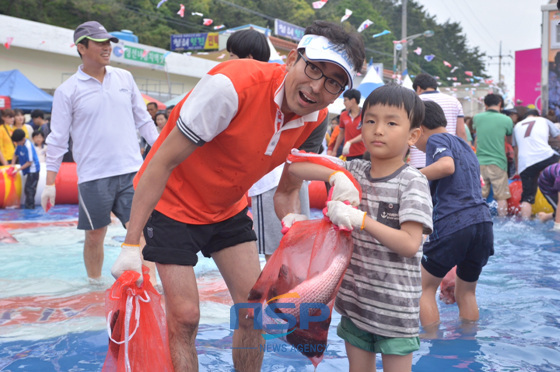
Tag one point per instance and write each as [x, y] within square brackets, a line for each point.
[51, 317]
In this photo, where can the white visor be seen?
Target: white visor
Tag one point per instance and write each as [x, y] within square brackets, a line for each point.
[319, 48]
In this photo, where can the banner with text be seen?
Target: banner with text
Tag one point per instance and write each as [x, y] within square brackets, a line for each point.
[288, 30]
[200, 41]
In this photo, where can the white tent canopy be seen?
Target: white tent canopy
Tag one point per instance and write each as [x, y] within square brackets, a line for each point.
[370, 82]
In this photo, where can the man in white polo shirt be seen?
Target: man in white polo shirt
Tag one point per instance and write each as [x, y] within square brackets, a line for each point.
[425, 86]
[101, 108]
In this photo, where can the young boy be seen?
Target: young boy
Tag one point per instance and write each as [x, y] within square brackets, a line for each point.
[549, 183]
[462, 233]
[26, 155]
[380, 292]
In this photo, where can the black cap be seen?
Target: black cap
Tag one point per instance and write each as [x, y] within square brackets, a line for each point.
[93, 30]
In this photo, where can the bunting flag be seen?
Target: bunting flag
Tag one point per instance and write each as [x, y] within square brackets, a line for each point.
[384, 32]
[457, 84]
[347, 14]
[429, 57]
[469, 73]
[207, 21]
[9, 41]
[418, 51]
[181, 11]
[221, 56]
[436, 77]
[219, 27]
[145, 53]
[447, 63]
[454, 69]
[197, 14]
[319, 4]
[161, 3]
[488, 81]
[365, 24]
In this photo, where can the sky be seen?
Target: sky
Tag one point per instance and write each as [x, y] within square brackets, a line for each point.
[516, 23]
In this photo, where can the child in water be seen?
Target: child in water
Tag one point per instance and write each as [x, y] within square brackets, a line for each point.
[380, 292]
[463, 234]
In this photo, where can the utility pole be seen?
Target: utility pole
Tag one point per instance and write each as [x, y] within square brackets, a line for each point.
[404, 45]
[500, 62]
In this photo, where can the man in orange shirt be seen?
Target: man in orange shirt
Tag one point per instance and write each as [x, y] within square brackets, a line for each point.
[350, 129]
[239, 122]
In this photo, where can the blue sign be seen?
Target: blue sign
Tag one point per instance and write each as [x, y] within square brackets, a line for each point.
[288, 30]
[198, 41]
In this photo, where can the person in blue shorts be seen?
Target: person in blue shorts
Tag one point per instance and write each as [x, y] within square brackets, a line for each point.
[549, 184]
[462, 234]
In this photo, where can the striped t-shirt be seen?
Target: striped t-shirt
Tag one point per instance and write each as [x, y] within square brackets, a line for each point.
[381, 289]
[452, 109]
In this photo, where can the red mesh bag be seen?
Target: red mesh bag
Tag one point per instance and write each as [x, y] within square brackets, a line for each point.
[136, 326]
[298, 285]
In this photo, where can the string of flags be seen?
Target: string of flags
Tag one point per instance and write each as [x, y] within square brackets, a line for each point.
[205, 21]
[347, 13]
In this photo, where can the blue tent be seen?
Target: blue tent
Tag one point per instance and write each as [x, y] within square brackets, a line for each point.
[23, 93]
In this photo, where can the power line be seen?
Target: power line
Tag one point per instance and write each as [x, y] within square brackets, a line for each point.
[488, 33]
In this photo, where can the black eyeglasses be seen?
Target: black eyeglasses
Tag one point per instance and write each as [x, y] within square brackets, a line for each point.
[314, 72]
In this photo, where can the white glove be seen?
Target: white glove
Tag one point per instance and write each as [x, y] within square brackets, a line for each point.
[290, 219]
[556, 226]
[346, 148]
[129, 259]
[48, 196]
[345, 216]
[344, 189]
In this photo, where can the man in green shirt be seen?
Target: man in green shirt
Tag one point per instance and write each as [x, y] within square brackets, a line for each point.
[492, 127]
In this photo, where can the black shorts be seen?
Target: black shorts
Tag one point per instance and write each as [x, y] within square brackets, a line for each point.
[172, 242]
[468, 248]
[530, 177]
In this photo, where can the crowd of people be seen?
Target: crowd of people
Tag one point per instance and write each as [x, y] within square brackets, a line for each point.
[425, 171]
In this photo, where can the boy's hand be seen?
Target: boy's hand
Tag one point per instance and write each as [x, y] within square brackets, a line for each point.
[344, 189]
[129, 259]
[290, 219]
[47, 197]
[345, 216]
